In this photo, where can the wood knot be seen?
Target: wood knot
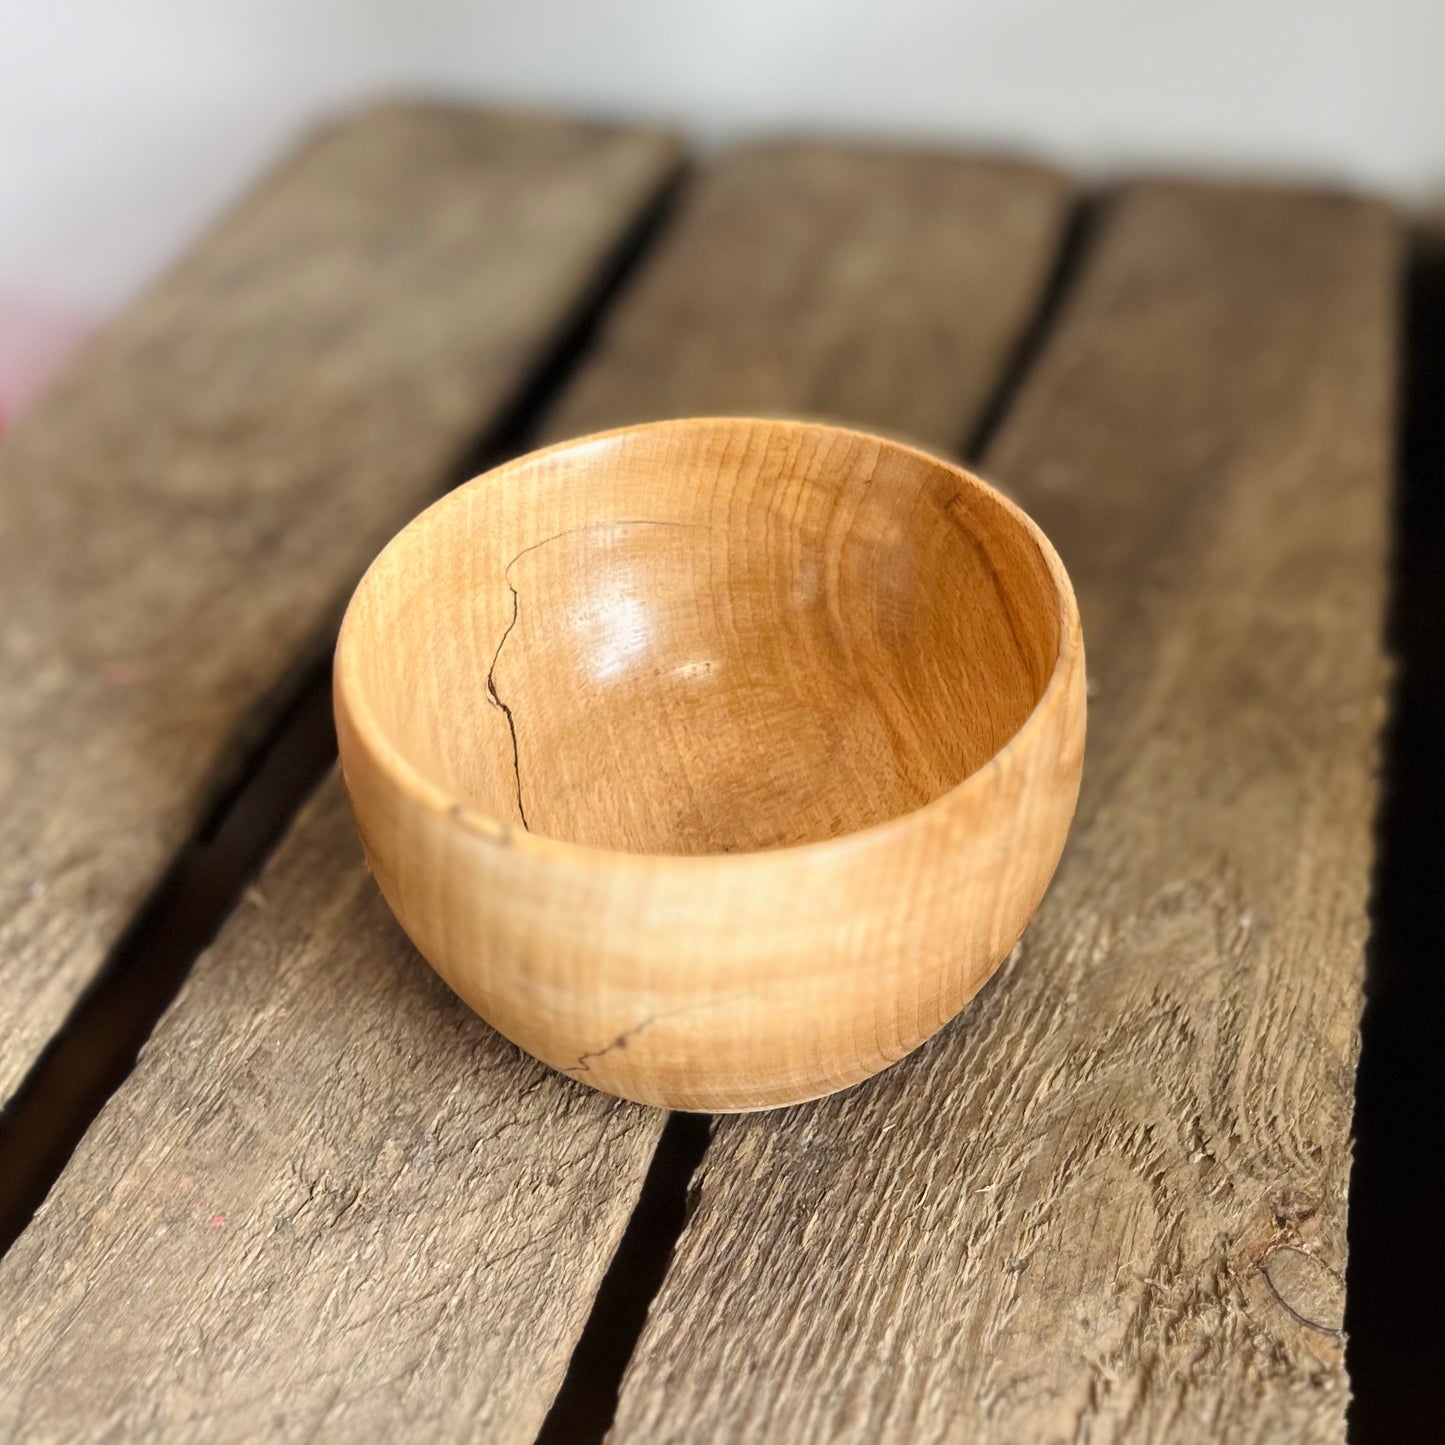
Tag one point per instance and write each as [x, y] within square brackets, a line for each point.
[1293, 1206]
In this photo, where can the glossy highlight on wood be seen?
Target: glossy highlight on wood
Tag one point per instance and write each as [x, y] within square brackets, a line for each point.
[717, 763]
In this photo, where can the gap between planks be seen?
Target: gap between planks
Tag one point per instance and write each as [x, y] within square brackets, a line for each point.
[778, 290]
[96, 1047]
[1108, 1201]
[193, 497]
[587, 1399]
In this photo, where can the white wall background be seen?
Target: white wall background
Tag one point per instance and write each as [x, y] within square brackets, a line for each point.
[125, 124]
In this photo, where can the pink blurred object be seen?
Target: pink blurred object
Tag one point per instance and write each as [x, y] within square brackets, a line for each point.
[36, 340]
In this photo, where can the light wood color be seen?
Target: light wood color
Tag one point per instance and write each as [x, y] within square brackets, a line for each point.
[1109, 1202]
[185, 512]
[717, 763]
[416, 1215]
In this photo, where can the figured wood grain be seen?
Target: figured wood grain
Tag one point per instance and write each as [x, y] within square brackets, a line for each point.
[184, 513]
[1108, 1203]
[716, 762]
[395, 1099]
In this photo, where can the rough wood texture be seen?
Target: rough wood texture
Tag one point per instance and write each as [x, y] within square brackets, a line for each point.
[185, 511]
[876, 288]
[105, 1324]
[323, 1206]
[1109, 1201]
[718, 763]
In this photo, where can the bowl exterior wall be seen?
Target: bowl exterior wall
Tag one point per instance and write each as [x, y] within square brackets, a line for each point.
[731, 982]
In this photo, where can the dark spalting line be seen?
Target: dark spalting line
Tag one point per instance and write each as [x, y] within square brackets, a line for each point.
[506, 710]
[584, 1061]
[492, 695]
[607, 526]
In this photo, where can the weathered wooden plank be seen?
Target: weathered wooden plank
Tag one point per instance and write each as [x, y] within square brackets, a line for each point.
[184, 512]
[1109, 1201]
[873, 287]
[331, 1201]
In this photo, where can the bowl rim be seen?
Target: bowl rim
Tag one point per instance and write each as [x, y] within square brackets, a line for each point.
[349, 696]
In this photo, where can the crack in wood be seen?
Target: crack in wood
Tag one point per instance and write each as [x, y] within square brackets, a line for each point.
[492, 695]
[497, 702]
[584, 1061]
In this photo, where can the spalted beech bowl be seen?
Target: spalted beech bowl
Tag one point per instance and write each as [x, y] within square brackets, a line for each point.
[717, 763]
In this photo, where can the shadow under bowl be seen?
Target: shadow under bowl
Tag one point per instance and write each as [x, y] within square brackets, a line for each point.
[717, 763]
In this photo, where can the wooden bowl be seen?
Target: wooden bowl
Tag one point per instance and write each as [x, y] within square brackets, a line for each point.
[717, 763]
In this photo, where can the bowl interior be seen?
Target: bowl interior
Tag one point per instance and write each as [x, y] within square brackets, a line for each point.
[705, 637]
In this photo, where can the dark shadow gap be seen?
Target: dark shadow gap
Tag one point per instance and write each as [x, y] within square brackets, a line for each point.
[97, 1048]
[1075, 244]
[252, 802]
[562, 358]
[587, 1400]
[1394, 1314]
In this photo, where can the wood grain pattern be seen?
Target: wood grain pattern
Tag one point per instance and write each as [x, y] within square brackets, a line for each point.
[185, 511]
[876, 288]
[315, 1213]
[1108, 1203]
[716, 762]
[71, 1287]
